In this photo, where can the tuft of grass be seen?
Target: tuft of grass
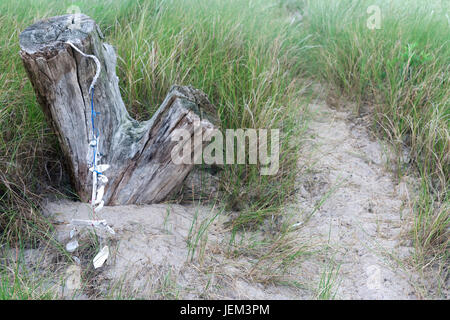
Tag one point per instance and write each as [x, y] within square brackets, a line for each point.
[329, 282]
[30, 162]
[168, 288]
[15, 285]
[23, 277]
[275, 252]
[197, 238]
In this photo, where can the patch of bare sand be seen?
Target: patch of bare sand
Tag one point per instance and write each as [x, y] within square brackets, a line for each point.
[152, 253]
[351, 202]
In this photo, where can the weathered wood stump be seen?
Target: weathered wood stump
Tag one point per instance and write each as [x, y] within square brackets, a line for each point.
[139, 153]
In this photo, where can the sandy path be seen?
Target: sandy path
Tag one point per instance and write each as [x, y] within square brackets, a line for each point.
[363, 217]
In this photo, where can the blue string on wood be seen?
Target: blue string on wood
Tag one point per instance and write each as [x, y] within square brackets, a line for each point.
[95, 131]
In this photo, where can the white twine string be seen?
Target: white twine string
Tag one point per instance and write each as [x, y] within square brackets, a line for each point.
[101, 257]
[95, 160]
[97, 62]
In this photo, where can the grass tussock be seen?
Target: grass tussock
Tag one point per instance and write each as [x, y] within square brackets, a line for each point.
[30, 165]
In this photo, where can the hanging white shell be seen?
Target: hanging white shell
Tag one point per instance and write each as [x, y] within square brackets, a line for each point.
[101, 257]
[100, 193]
[103, 179]
[72, 245]
[100, 206]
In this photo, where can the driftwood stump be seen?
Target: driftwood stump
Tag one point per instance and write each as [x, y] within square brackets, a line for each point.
[139, 153]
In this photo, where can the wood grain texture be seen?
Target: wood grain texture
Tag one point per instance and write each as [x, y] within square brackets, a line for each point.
[139, 153]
